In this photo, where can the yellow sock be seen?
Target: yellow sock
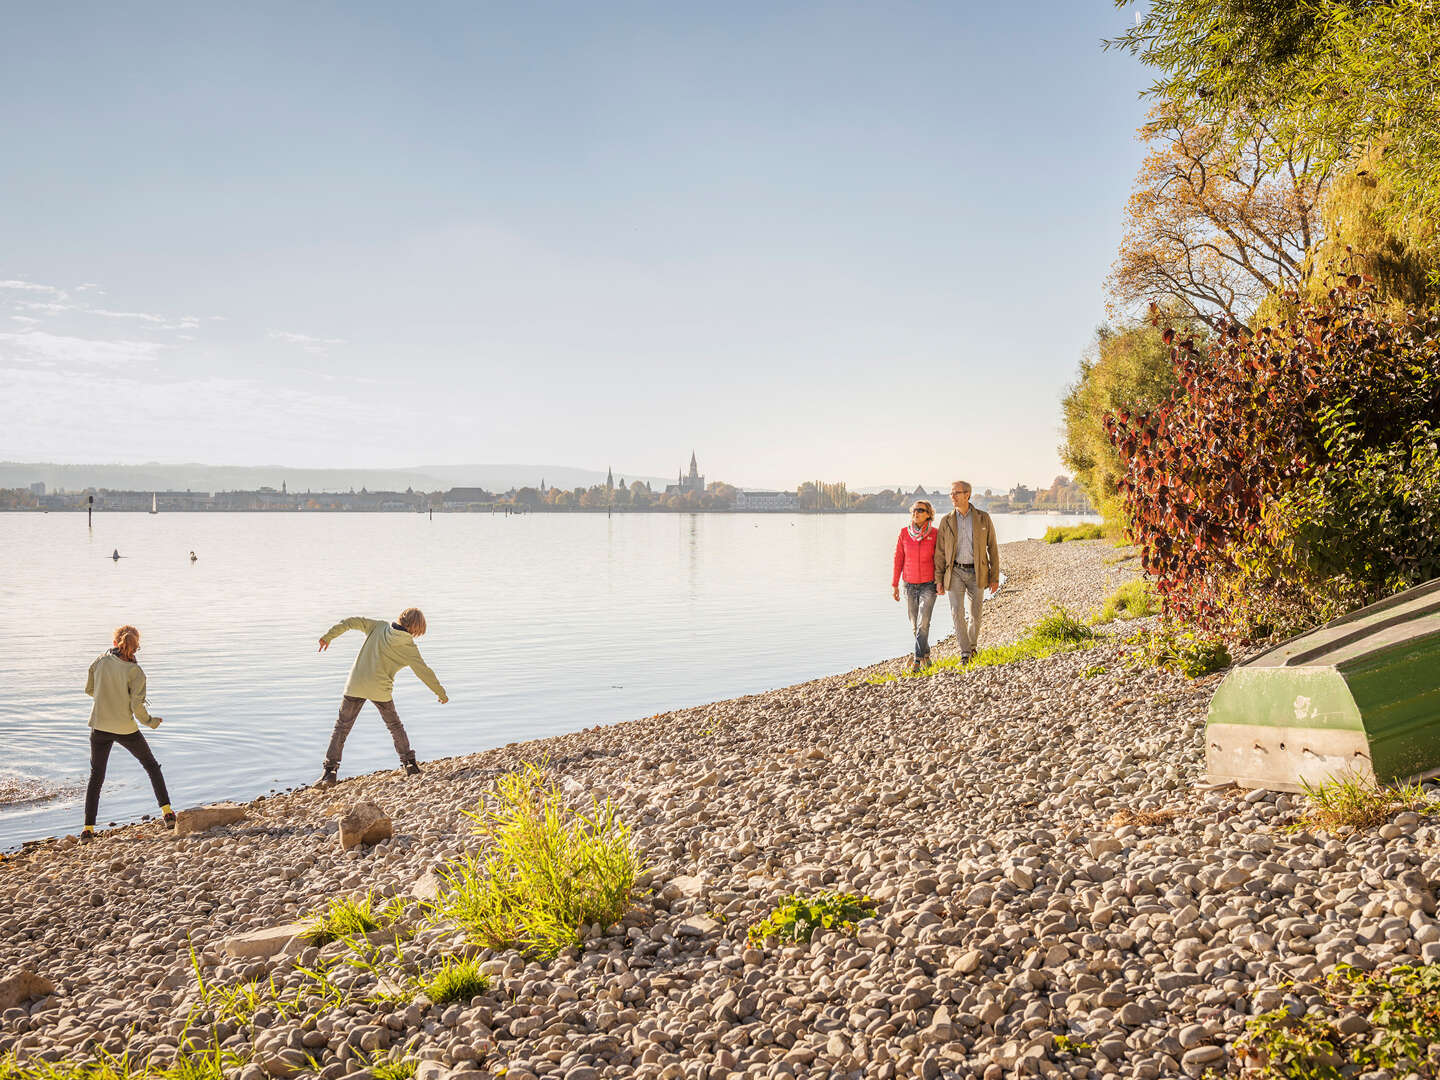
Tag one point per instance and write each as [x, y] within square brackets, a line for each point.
[88, 828]
[165, 810]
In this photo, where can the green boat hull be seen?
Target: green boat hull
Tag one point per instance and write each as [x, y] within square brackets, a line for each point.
[1357, 698]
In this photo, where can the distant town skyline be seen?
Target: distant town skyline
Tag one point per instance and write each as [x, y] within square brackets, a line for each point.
[826, 240]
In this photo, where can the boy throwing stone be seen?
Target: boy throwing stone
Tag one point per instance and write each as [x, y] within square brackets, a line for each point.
[388, 647]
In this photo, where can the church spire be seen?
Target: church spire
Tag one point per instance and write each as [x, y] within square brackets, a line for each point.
[609, 479]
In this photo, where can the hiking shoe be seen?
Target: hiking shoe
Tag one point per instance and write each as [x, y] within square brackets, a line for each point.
[412, 768]
[86, 836]
[170, 820]
[328, 777]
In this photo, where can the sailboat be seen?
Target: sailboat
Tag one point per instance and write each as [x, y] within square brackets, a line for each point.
[154, 509]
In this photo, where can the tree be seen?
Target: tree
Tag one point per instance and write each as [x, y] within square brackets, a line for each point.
[1217, 221]
[1335, 78]
[1126, 368]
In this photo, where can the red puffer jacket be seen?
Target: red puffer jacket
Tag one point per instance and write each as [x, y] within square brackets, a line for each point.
[915, 558]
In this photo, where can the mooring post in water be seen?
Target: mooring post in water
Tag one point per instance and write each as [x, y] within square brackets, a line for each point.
[90, 512]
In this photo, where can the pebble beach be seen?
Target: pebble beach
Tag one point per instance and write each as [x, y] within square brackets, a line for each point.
[1059, 889]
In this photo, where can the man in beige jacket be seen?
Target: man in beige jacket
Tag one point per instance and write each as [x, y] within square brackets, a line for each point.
[967, 562]
[388, 647]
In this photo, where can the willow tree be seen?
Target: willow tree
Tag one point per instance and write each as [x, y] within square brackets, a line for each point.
[1332, 78]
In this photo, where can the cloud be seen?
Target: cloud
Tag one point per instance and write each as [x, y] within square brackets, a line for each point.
[24, 319]
[40, 348]
[31, 286]
[313, 345]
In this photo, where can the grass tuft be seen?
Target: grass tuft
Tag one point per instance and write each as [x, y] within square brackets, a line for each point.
[796, 919]
[1124, 817]
[344, 918]
[457, 980]
[1350, 802]
[1058, 534]
[403, 1069]
[1134, 600]
[1056, 633]
[549, 871]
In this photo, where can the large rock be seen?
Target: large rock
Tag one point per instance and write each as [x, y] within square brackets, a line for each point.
[262, 944]
[364, 823]
[22, 986]
[202, 818]
[429, 886]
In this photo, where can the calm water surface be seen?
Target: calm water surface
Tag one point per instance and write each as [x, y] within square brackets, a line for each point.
[539, 624]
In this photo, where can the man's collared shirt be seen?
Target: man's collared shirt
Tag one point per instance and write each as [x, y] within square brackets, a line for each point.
[964, 537]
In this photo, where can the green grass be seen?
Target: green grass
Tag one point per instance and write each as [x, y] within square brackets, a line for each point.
[211, 1064]
[1191, 654]
[457, 980]
[345, 918]
[1349, 801]
[1058, 534]
[1402, 1006]
[796, 918]
[548, 871]
[1056, 633]
[403, 1069]
[1134, 600]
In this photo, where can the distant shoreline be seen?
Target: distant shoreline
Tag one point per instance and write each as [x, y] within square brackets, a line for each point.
[528, 510]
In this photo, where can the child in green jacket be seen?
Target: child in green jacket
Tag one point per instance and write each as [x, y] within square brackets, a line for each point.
[388, 647]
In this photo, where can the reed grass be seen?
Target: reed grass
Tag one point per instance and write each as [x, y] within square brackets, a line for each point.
[547, 872]
[1348, 801]
[1058, 534]
[457, 979]
[1134, 600]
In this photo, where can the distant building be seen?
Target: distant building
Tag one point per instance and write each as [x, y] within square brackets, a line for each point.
[767, 500]
[38, 488]
[685, 484]
[467, 498]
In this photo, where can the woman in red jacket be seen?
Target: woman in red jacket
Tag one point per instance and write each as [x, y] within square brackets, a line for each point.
[915, 559]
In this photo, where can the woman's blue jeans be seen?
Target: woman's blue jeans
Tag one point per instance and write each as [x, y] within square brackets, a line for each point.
[919, 603]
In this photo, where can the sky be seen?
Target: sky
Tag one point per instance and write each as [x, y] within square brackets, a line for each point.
[831, 241]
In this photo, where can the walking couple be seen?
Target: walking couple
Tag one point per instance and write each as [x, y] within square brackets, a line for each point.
[117, 684]
[959, 557]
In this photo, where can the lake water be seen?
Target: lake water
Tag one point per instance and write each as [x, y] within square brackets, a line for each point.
[539, 624]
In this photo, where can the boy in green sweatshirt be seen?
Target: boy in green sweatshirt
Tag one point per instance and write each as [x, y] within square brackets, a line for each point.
[388, 647]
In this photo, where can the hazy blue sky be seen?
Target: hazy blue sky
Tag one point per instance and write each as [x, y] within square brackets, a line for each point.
[846, 241]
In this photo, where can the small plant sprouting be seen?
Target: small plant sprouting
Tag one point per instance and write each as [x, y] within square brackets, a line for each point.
[403, 1069]
[458, 979]
[796, 918]
[1192, 655]
[1075, 1047]
[1093, 671]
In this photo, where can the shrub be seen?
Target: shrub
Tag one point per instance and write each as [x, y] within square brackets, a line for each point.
[548, 873]
[1134, 600]
[1349, 801]
[796, 918]
[1402, 1034]
[1192, 654]
[458, 979]
[344, 917]
[1058, 534]
[1294, 473]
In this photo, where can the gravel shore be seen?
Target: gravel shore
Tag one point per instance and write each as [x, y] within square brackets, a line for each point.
[1028, 924]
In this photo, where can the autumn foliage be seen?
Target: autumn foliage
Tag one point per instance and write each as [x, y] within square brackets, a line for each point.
[1292, 473]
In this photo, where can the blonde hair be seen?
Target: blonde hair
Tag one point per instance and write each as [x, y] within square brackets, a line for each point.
[127, 641]
[413, 620]
[922, 504]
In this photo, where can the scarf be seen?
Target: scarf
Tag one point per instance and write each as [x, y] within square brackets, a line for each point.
[918, 534]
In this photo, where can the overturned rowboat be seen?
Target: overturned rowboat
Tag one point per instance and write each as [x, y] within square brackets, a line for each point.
[1358, 698]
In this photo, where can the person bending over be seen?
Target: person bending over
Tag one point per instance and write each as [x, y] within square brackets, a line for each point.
[118, 686]
[388, 647]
